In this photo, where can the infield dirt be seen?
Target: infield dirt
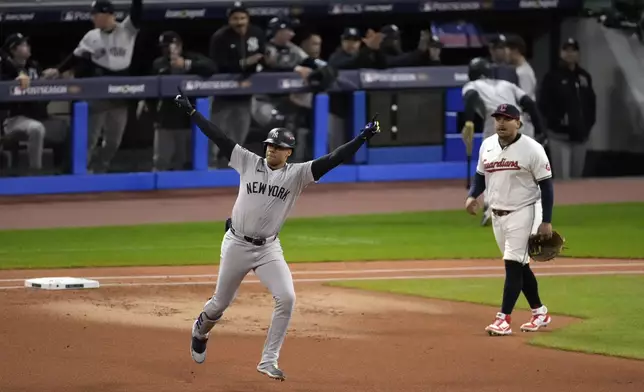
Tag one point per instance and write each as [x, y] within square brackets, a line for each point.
[133, 333]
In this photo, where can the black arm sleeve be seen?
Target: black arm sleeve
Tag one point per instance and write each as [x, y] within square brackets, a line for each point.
[225, 144]
[70, 62]
[325, 164]
[471, 100]
[478, 186]
[547, 198]
[136, 12]
[529, 106]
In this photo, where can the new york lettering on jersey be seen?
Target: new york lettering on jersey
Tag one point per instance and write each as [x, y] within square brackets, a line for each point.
[110, 50]
[262, 188]
[266, 196]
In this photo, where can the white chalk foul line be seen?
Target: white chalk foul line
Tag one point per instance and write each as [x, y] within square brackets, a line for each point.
[359, 271]
[407, 277]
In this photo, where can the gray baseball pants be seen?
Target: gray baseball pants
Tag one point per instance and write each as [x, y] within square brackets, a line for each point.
[171, 148]
[238, 258]
[568, 158]
[35, 131]
[110, 118]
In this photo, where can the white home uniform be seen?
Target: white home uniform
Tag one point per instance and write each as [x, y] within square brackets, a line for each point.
[527, 83]
[111, 51]
[493, 93]
[511, 175]
[263, 203]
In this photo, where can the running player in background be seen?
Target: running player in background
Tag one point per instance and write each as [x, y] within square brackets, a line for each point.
[482, 95]
[104, 51]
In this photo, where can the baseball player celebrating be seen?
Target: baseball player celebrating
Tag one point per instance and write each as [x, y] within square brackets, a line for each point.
[482, 95]
[268, 190]
[516, 172]
[105, 50]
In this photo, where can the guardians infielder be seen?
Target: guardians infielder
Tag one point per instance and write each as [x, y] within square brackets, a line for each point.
[516, 172]
[268, 190]
[482, 95]
[105, 51]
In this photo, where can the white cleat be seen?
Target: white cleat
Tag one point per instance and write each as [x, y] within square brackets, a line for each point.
[540, 319]
[500, 326]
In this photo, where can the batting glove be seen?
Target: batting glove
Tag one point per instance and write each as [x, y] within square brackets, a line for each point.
[371, 128]
[183, 102]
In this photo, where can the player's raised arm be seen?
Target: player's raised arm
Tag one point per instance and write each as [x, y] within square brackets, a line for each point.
[136, 14]
[325, 164]
[214, 133]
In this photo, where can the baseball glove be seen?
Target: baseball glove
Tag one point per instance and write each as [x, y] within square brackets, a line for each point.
[544, 249]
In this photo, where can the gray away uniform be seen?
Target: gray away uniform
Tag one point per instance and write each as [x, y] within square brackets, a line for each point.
[112, 51]
[109, 54]
[265, 199]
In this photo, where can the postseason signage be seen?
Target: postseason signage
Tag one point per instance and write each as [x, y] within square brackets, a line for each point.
[81, 89]
[266, 83]
[27, 12]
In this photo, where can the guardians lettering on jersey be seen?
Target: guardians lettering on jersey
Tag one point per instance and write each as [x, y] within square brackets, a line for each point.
[271, 190]
[501, 165]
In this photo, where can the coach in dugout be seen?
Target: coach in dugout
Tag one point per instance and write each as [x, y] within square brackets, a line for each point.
[237, 48]
[392, 48]
[500, 60]
[24, 117]
[172, 133]
[356, 52]
[105, 51]
[527, 80]
[567, 101]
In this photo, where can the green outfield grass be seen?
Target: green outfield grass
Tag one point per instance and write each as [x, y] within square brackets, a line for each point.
[611, 306]
[610, 230]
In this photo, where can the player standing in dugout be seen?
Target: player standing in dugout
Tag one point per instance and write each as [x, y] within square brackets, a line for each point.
[237, 48]
[105, 50]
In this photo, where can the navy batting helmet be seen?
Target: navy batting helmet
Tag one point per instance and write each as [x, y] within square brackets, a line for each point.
[281, 137]
[479, 67]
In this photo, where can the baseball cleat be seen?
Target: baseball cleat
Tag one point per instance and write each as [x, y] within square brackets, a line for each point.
[198, 343]
[198, 349]
[500, 326]
[540, 319]
[272, 371]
